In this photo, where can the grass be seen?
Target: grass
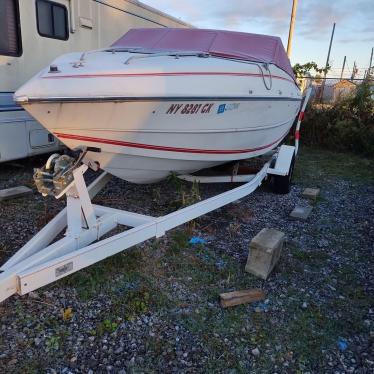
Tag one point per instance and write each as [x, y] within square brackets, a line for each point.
[315, 166]
[106, 326]
[34, 366]
[315, 257]
[99, 277]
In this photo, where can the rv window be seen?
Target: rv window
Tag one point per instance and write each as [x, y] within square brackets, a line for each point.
[52, 20]
[10, 29]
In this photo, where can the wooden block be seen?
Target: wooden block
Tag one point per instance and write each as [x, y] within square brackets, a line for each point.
[241, 297]
[11, 193]
[264, 252]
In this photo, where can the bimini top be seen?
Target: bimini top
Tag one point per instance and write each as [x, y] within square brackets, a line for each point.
[251, 47]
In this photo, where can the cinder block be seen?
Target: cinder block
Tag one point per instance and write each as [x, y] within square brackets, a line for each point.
[11, 193]
[311, 193]
[301, 212]
[264, 252]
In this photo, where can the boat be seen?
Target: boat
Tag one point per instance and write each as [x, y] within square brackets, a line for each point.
[162, 100]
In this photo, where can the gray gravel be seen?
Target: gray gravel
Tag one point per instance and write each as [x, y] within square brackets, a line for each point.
[321, 290]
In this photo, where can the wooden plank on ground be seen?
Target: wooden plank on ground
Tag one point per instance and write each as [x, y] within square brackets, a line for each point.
[11, 193]
[241, 297]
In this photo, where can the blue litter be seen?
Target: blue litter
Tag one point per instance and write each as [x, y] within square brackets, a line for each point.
[220, 264]
[196, 240]
[342, 344]
[261, 307]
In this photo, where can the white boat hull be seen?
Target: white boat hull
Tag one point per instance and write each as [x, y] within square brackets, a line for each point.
[143, 142]
[147, 122]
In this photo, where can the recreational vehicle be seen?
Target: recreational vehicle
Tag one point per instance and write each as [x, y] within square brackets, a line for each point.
[34, 32]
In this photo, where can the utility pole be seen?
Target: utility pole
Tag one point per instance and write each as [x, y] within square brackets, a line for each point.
[341, 75]
[354, 71]
[371, 60]
[292, 26]
[327, 62]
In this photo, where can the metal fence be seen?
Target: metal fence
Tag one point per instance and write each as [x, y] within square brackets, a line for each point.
[331, 90]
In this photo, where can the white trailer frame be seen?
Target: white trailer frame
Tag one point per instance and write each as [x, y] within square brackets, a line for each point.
[39, 263]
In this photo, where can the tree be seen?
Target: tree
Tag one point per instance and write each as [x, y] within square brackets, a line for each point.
[301, 70]
[318, 78]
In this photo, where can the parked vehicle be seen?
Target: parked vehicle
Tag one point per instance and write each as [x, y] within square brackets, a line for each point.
[34, 32]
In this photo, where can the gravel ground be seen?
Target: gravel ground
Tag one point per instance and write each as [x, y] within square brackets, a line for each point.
[155, 308]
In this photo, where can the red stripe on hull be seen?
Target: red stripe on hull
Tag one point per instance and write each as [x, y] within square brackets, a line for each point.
[163, 148]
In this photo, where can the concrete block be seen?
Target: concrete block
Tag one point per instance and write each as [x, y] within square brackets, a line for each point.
[11, 193]
[311, 193]
[264, 252]
[301, 212]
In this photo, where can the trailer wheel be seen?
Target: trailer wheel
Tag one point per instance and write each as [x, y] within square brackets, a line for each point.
[282, 184]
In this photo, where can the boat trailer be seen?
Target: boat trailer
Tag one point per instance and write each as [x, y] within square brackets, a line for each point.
[39, 262]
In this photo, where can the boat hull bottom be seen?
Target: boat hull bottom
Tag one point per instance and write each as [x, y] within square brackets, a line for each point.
[146, 170]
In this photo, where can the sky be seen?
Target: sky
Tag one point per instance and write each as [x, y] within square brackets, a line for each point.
[354, 31]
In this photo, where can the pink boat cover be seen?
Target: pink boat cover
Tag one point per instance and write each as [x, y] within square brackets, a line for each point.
[250, 47]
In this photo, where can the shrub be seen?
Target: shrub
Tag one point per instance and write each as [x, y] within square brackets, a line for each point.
[347, 125]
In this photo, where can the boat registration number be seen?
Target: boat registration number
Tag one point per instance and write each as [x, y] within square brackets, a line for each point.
[190, 108]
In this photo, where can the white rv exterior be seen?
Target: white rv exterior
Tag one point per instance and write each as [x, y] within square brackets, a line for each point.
[35, 32]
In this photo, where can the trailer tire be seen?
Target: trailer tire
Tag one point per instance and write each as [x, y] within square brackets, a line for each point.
[282, 184]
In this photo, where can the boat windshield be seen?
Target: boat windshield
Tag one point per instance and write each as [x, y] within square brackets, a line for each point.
[131, 50]
[160, 52]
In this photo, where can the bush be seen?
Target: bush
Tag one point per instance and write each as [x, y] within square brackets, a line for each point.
[347, 125]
